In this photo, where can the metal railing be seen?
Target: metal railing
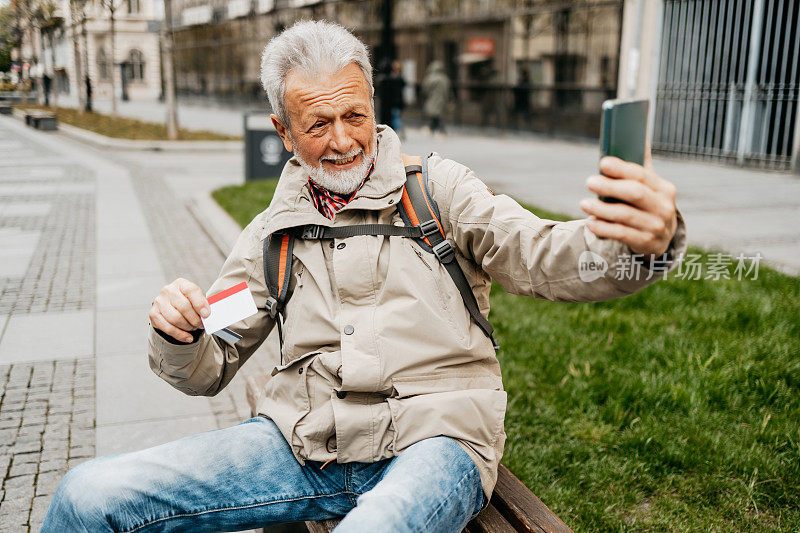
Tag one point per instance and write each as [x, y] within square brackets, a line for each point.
[728, 81]
[563, 109]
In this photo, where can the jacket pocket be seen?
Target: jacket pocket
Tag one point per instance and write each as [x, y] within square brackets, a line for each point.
[442, 382]
[295, 362]
[439, 279]
[457, 407]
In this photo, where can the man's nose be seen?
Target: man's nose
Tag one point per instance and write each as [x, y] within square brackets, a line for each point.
[340, 141]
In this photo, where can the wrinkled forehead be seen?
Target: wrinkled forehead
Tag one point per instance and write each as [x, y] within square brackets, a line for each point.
[333, 90]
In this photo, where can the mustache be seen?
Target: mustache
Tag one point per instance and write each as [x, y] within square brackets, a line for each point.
[335, 158]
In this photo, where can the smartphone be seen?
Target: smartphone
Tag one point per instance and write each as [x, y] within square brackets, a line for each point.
[623, 130]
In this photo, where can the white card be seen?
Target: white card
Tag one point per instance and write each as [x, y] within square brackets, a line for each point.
[229, 306]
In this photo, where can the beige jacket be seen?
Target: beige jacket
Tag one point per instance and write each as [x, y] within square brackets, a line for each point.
[412, 365]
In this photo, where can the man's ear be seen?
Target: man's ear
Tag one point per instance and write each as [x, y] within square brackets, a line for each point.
[283, 132]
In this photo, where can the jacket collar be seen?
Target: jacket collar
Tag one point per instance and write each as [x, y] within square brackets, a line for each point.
[292, 206]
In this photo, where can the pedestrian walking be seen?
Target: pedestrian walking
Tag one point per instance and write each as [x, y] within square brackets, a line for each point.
[397, 86]
[435, 93]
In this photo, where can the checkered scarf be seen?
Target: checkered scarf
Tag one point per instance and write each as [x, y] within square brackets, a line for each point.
[327, 202]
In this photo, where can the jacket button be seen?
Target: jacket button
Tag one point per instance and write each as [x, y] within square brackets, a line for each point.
[348, 329]
[391, 202]
[331, 245]
[341, 394]
[340, 245]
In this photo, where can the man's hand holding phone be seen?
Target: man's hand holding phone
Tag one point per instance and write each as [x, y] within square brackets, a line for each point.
[177, 309]
[647, 221]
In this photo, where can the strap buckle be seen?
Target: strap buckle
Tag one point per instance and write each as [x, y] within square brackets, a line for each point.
[272, 306]
[313, 232]
[429, 227]
[444, 251]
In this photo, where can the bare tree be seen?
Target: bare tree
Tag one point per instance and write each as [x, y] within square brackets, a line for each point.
[48, 20]
[77, 15]
[111, 6]
[169, 73]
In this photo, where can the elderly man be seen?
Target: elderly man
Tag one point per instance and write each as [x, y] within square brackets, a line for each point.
[388, 405]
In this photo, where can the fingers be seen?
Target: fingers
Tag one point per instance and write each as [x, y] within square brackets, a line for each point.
[177, 317]
[158, 321]
[638, 241]
[628, 190]
[614, 167]
[195, 297]
[177, 309]
[623, 214]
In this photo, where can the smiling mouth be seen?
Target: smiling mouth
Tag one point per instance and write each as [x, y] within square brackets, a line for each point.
[343, 161]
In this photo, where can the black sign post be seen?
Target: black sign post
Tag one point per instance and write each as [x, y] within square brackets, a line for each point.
[264, 153]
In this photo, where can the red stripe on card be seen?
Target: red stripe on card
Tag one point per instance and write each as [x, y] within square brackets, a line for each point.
[227, 292]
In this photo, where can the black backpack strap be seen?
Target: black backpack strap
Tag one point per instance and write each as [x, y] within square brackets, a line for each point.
[315, 232]
[278, 255]
[417, 209]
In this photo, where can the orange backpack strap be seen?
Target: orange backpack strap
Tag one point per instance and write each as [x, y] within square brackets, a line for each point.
[278, 255]
[417, 208]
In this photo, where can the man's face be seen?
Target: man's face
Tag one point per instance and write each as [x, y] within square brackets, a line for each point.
[332, 126]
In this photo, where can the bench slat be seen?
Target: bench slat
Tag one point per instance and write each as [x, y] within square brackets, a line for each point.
[323, 526]
[489, 521]
[522, 508]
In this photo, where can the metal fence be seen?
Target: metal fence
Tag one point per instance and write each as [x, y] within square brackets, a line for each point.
[728, 80]
[556, 109]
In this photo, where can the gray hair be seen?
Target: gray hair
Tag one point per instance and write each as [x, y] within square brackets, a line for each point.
[313, 47]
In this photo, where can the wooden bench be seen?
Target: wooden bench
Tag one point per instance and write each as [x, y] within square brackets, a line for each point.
[41, 120]
[513, 508]
[6, 108]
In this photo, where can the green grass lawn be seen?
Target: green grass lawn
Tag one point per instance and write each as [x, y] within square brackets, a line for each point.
[125, 128]
[675, 409]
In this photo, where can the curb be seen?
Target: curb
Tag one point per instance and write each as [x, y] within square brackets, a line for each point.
[127, 144]
[220, 227]
[103, 141]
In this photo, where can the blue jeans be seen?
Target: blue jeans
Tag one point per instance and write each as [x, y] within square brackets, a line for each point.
[245, 476]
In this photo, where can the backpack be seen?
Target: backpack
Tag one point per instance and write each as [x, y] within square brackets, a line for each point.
[422, 223]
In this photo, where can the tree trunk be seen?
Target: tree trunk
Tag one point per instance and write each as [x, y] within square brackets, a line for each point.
[169, 73]
[113, 62]
[76, 53]
[39, 64]
[54, 82]
[87, 80]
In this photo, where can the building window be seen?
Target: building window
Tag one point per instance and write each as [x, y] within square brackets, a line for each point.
[133, 6]
[136, 65]
[103, 65]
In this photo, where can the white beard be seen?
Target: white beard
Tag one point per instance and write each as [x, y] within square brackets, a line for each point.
[340, 181]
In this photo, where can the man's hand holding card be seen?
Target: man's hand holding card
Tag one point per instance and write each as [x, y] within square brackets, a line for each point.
[181, 307]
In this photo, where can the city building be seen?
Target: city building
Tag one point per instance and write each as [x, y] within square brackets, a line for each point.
[82, 30]
[539, 65]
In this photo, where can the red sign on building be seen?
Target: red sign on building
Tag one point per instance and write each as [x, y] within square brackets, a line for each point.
[480, 45]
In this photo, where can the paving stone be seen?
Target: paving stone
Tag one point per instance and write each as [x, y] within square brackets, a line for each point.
[18, 493]
[47, 483]
[32, 457]
[53, 466]
[39, 510]
[20, 481]
[22, 469]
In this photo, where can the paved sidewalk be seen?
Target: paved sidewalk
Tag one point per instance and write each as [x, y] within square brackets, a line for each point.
[86, 241]
[727, 208]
